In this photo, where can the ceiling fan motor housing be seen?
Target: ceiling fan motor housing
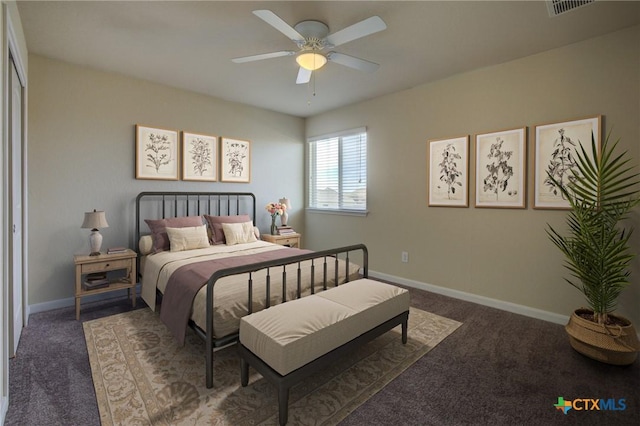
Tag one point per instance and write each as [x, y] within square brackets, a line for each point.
[314, 33]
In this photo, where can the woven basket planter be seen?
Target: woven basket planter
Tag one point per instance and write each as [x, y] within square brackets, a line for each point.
[613, 344]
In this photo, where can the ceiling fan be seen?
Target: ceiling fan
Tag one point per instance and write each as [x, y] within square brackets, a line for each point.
[312, 38]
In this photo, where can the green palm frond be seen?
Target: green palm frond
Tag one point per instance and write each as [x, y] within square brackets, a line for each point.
[603, 192]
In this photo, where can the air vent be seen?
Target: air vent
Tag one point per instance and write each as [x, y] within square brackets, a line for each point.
[558, 7]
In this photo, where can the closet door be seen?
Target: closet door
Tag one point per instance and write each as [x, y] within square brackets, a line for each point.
[15, 253]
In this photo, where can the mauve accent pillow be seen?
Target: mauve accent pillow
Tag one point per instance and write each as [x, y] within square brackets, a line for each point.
[158, 229]
[215, 223]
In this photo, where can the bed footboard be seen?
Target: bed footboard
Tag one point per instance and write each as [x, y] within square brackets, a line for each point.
[318, 259]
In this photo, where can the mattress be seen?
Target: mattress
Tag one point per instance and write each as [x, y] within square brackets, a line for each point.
[230, 293]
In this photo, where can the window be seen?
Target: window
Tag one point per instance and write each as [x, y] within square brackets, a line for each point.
[338, 172]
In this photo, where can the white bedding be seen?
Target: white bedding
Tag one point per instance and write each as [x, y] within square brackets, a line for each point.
[230, 293]
[158, 267]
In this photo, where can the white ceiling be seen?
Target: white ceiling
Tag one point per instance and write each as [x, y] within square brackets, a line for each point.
[189, 45]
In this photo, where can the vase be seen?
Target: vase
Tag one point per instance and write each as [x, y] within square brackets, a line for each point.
[273, 225]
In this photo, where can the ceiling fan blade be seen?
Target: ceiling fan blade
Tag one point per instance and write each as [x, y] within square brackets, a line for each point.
[263, 56]
[363, 28]
[304, 75]
[352, 62]
[276, 22]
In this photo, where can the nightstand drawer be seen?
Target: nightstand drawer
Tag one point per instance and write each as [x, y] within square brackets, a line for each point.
[291, 240]
[288, 241]
[107, 265]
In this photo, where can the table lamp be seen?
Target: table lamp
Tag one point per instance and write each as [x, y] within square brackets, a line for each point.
[285, 214]
[95, 220]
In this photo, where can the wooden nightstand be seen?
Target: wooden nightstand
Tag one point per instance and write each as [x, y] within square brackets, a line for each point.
[291, 240]
[86, 264]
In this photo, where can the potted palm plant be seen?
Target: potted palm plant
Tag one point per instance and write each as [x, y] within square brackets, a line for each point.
[602, 191]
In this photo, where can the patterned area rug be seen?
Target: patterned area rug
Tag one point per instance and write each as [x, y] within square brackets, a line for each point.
[141, 376]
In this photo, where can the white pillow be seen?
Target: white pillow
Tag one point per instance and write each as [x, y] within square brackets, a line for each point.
[189, 238]
[238, 233]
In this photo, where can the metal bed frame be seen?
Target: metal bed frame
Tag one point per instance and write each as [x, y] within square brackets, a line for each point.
[173, 204]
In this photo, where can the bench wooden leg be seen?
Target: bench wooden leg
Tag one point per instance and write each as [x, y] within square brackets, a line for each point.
[405, 326]
[244, 372]
[283, 404]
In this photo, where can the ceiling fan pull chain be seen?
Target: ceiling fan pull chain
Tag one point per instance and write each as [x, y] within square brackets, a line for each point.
[311, 88]
[313, 77]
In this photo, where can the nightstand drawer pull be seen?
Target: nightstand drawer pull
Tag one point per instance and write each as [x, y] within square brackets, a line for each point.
[106, 266]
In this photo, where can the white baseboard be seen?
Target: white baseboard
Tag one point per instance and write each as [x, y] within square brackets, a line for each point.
[481, 300]
[27, 311]
[65, 303]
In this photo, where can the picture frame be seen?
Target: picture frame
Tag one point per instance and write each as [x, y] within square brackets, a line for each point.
[157, 154]
[448, 174]
[199, 157]
[555, 153]
[235, 160]
[501, 169]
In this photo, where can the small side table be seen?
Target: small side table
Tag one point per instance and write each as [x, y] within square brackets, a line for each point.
[86, 264]
[291, 240]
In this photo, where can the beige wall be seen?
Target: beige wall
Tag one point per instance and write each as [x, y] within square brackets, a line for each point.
[500, 254]
[81, 157]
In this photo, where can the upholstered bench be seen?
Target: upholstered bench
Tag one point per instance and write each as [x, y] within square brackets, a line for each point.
[288, 342]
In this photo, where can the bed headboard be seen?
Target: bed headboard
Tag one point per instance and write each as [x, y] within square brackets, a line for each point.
[160, 205]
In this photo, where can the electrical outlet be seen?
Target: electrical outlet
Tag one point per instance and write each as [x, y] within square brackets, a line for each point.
[405, 257]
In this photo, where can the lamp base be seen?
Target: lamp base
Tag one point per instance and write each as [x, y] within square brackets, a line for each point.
[95, 241]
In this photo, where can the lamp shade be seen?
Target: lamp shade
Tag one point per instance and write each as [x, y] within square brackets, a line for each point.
[285, 201]
[95, 220]
[311, 61]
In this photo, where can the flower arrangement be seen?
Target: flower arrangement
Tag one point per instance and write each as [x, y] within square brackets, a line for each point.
[275, 210]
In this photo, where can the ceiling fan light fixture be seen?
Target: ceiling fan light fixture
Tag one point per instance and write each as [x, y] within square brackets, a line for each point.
[311, 61]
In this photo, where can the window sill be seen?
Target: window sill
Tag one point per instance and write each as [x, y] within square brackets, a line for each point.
[339, 212]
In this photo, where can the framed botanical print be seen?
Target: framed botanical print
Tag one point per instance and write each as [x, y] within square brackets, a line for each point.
[199, 157]
[235, 160]
[156, 153]
[555, 157]
[501, 161]
[449, 172]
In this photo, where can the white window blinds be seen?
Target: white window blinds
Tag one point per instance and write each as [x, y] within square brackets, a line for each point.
[338, 171]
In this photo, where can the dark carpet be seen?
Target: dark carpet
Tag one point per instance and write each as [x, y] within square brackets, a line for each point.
[498, 368]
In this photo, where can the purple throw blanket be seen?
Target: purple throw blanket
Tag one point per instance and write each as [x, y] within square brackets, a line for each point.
[187, 280]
